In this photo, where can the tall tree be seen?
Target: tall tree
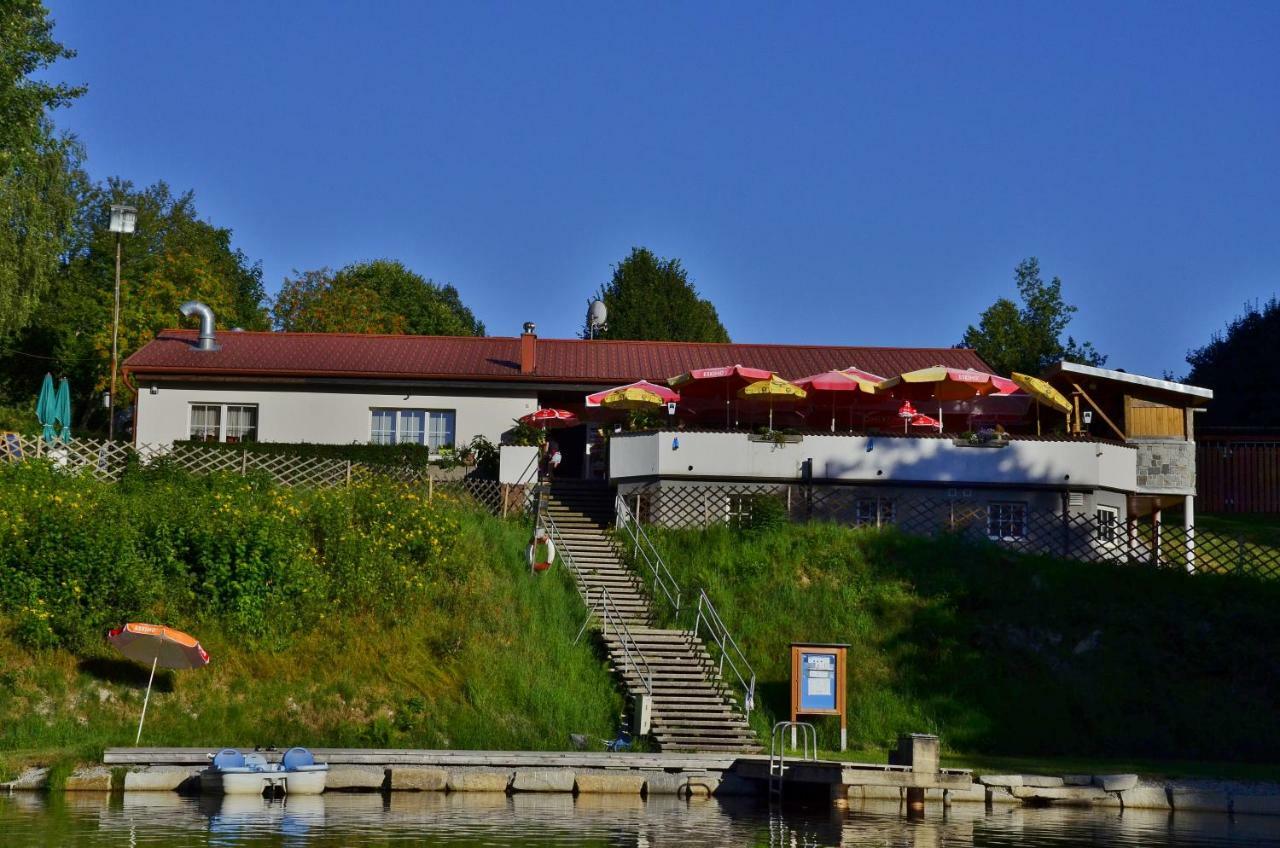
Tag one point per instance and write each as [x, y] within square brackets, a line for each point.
[652, 298]
[39, 169]
[172, 256]
[1028, 338]
[1238, 364]
[382, 296]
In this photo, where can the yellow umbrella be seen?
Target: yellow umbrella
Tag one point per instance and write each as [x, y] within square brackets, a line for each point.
[774, 389]
[632, 398]
[1043, 393]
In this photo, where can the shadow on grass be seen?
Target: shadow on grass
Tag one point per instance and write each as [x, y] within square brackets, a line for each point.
[126, 673]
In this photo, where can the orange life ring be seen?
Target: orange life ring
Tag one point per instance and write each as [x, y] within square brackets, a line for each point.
[541, 565]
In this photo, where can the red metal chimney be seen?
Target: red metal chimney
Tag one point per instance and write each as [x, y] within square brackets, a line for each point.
[529, 349]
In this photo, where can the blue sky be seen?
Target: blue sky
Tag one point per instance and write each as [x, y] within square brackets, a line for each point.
[829, 173]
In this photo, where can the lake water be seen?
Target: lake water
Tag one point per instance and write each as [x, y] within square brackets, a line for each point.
[542, 820]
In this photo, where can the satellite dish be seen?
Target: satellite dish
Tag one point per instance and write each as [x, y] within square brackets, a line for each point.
[597, 314]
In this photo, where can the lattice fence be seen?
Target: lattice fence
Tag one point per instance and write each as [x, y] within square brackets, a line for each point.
[106, 460]
[1020, 527]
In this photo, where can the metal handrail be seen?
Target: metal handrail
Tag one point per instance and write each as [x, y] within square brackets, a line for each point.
[642, 549]
[720, 636]
[778, 751]
[631, 652]
[608, 610]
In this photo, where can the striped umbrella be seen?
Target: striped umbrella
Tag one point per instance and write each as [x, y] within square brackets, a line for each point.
[162, 646]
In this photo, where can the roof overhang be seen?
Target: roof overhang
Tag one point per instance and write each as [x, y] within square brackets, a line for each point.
[1193, 395]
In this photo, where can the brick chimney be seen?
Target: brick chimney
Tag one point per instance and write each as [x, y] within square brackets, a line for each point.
[529, 349]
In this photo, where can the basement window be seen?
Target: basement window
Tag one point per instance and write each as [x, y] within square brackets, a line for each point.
[1108, 518]
[1007, 522]
[873, 512]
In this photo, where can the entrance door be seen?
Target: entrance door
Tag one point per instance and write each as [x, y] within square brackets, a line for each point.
[573, 444]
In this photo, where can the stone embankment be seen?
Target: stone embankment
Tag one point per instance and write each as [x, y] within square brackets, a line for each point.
[1128, 791]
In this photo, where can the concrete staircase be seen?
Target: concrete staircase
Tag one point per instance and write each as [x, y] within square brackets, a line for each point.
[692, 707]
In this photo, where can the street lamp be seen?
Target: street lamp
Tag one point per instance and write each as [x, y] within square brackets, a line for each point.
[123, 220]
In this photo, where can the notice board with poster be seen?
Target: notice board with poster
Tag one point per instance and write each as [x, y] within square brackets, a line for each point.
[818, 682]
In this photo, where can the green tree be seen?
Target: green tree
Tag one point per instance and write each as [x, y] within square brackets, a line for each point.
[1028, 338]
[173, 256]
[40, 171]
[652, 298]
[382, 296]
[1238, 364]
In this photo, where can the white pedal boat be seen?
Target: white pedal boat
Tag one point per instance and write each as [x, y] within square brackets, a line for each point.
[234, 773]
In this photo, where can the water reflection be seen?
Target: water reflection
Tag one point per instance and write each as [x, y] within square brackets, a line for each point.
[92, 821]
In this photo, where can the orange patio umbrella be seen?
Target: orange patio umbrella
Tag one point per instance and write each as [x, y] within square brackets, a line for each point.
[161, 646]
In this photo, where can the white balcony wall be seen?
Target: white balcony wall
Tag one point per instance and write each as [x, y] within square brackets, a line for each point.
[880, 459]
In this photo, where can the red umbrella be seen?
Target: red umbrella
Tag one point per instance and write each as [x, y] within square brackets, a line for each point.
[838, 386]
[716, 383]
[550, 419]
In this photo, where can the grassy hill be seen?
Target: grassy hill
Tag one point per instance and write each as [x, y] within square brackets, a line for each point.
[355, 617]
[1001, 654]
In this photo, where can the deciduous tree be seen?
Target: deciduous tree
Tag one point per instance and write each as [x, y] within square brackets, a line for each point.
[1028, 338]
[40, 171]
[382, 296]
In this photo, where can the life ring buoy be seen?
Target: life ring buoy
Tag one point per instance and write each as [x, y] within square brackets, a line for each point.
[541, 565]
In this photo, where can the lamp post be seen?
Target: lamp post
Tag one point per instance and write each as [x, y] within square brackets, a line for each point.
[123, 220]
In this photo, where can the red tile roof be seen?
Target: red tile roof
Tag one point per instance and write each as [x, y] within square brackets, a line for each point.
[265, 354]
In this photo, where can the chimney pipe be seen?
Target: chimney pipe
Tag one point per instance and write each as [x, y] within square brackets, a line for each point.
[208, 341]
[529, 349]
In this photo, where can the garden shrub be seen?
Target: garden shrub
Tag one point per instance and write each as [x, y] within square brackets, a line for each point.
[78, 556]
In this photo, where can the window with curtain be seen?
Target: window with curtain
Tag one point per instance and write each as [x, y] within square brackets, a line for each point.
[383, 429]
[242, 423]
[431, 427]
[205, 422]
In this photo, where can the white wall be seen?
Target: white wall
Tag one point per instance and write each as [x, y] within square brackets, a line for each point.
[879, 459]
[325, 417]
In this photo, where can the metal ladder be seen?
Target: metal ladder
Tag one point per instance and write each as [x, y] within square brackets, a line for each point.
[778, 752]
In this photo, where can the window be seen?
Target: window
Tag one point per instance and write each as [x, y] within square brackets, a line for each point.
[873, 512]
[242, 423]
[1007, 522]
[205, 421]
[431, 427]
[1108, 521]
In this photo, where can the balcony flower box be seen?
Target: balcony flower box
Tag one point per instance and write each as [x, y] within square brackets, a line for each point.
[776, 438]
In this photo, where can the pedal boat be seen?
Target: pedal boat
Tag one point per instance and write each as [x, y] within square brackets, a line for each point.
[234, 773]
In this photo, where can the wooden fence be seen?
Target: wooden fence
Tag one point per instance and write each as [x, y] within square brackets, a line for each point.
[108, 461]
[1238, 474]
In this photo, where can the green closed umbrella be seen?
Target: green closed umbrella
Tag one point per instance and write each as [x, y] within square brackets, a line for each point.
[62, 415]
[46, 408]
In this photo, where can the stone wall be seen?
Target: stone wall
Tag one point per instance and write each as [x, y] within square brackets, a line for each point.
[1167, 467]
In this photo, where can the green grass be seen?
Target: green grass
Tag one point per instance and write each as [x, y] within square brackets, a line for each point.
[1259, 529]
[999, 654]
[490, 665]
